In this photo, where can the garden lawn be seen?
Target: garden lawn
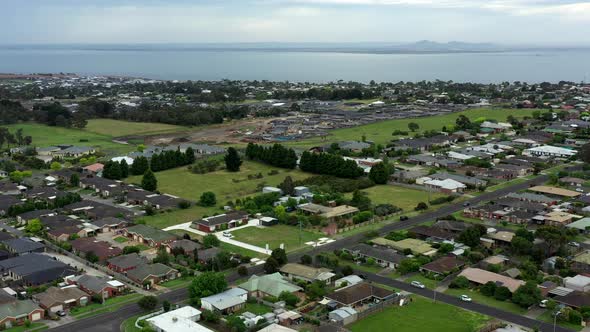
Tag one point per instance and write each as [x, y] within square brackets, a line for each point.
[33, 327]
[46, 136]
[177, 283]
[380, 132]
[128, 325]
[242, 251]
[179, 216]
[109, 305]
[361, 267]
[274, 236]
[411, 318]
[547, 317]
[116, 128]
[429, 283]
[121, 239]
[181, 182]
[489, 301]
[255, 308]
[404, 198]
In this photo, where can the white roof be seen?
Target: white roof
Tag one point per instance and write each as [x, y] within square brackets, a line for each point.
[446, 184]
[351, 279]
[115, 283]
[227, 299]
[128, 160]
[179, 320]
[578, 280]
[552, 149]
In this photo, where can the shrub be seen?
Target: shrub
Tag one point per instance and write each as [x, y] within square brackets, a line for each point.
[459, 282]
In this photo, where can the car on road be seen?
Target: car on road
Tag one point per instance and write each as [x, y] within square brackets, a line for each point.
[574, 244]
[402, 218]
[465, 298]
[228, 235]
[466, 204]
[417, 284]
[60, 313]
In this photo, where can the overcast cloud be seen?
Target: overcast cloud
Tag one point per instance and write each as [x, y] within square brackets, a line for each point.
[540, 22]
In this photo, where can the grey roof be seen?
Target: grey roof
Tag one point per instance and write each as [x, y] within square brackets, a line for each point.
[531, 197]
[388, 255]
[22, 245]
[36, 268]
[93, 283]
[110, 221]
[186, 245]
[461, 178]
[127, 261]
[145, 270]
[17, 309]
[227, 299]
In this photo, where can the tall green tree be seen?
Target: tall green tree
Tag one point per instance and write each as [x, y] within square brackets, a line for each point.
[413, 126]
[232, 160]
[140, 165]
[207, 284]
[149, 181]
[379, 173]
[112, 170]
[124, 169]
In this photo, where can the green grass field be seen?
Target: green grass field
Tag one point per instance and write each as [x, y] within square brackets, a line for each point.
[117, 128]
[429, 283]
[274, 236]
[486, 300]
[412, 318]
[181, 182]
[255, 308]
[175, 217]
[45, 136]
[128, 325]
[121, 239]
[109, 305]
[404, 198]
[380, 132]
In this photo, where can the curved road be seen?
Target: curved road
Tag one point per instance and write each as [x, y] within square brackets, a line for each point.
[111, 321]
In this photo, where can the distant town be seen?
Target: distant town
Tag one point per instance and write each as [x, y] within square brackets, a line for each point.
[132, 204]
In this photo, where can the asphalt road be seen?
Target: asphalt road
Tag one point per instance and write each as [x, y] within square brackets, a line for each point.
[111, 321]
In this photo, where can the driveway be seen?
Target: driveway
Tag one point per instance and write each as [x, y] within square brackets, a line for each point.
[72, 262]
[10, 229]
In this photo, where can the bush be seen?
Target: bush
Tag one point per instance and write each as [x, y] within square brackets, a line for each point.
[289, 298]
[502, 293]
[421, 206]
[460, 282]
[148, 303]
[488, 289]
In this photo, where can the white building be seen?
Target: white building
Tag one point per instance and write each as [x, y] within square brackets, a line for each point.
[128, 160]
[549, 151]
[578, 283]
[180, 320]
[446, 185]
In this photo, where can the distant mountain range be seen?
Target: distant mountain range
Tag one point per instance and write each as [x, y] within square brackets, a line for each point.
[420, 47]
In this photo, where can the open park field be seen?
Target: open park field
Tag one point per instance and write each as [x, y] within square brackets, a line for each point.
[181, 182]
[380, 132]
[404, 198]
[274, 236]
[46, 136]
[411, 318]
[117, 128]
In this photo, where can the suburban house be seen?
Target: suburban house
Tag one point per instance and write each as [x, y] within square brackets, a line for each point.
[110, 224]
[152, 274]
[6, 202]
[548, 151]
[25, 217]
[335, 213]
[205, 255]
[180, 320]
[436, 234]
[307, 273]
[63, 233]
[574, 299]
[221, 221]
[555, 192]
[95, 285]
[360, 295]
[443, 265]
[17, 312]
[35, 269]
[226, 302]
[151, 236]
[187, 246]
[343, 315]
[382, 256]
[268, 285]
[417, 247]
[93, 169]
[481, 277]
[102, 249]
[57, 299]
[349, 280]
[447, 186]
[125, 263]
[22, 246]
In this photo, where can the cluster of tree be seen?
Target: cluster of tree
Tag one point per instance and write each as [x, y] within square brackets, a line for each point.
[232, 159]
[16, 138]
[115, 170]
[328, 164]
[276, 155]
[327, 183]
[58, 202]
[258, 203]
[205, 166]
[12, 112]
[55, 114]
[379, 173]
[478, 162]
[206, 284]
[171, 159]
[140, 165]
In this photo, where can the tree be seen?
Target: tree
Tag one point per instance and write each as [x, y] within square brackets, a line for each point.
[306, 259]
[315, 290]
[148, 303]
[162, 256]
[149, 181]
[235, 324]
[488, 289]
[232, 160]
[360, 200]
[287, 186]
[207, 284]
[471, 235]
[131, 249]
[463, 122]
[379, 173]
[280, 255]
[421, 206]
[34, 226]
[271, 265]
[527, 295]
[502, 293]
[413, 126]
[166, 305]
[55, 166]
[124, 169]
[210, 241]
[289, 298]
[111, 170]
[459, 282]
[140, 165]
[208, 199]
[74, 180]
[91, 257]
[347, 270]
[520, 245]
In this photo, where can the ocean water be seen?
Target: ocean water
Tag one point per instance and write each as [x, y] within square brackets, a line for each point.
[526, 66]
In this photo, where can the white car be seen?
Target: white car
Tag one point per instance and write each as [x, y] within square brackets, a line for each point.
[417, 284]
[543, 304]
[465, 298]
[227, 234]
[574, 244]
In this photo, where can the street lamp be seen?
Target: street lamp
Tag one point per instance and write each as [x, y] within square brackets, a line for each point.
[555, 319]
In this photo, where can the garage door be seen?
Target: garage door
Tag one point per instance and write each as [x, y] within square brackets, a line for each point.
[36, 316]
[57, 308]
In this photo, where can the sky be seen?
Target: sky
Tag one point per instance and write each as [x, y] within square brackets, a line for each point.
[512, 22]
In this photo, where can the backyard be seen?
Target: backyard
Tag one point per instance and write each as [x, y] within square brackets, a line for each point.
[411, 318]
[404, 198]
[274, 236]
[380, 132]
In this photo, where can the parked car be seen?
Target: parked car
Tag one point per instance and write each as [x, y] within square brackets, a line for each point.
[574, 244]
[61, 313]
[417, 284]
[543, 304]
[227, 234]
[465, 298]
[402, 218]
